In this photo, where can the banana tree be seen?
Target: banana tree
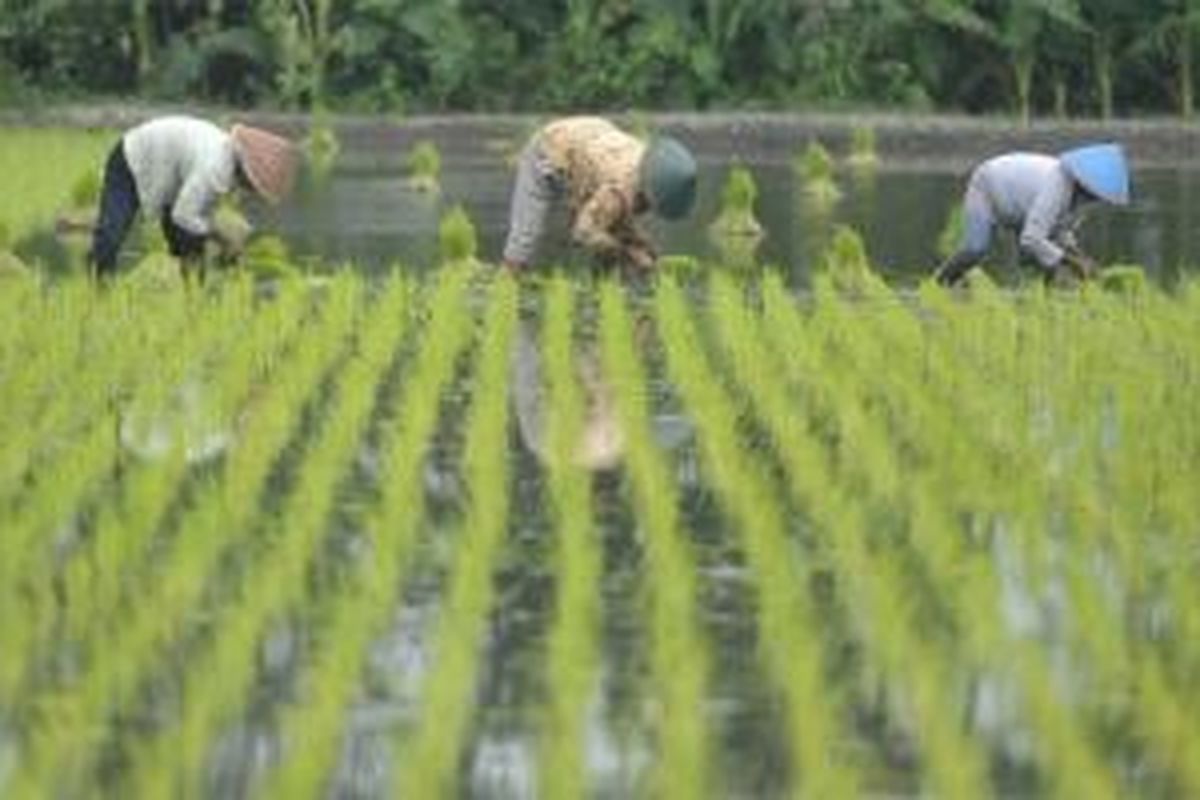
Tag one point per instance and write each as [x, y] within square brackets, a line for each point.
[304, 43]
[1173, 34]
[1016, 28]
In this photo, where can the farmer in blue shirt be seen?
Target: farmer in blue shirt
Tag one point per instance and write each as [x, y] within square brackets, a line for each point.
[1042, 199]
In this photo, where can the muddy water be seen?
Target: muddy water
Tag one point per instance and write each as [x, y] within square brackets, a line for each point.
[363, 211]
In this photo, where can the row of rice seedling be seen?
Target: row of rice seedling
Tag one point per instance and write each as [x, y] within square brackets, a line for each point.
[1092, 554]
[75, 474]
[89, 346]
[859, 344]
[573, 649]
[967, 517]
[679, 661]
[788, 620]
[311, 726]
[121, 517]
[873, 598]
[68, 444]
[113, 560]
[1066, 740]
[427, 761]
[122, 655]
[931, 541]
[217, 680]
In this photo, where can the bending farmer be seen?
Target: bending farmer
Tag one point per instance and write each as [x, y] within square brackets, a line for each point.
[608, 179]
[1042, 198]
[176, 168]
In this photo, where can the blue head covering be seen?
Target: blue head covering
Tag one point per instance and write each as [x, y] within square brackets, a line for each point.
[1101, 169]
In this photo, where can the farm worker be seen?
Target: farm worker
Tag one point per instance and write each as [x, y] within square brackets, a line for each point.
[608, 179]
[1042, 199]
[176, 168]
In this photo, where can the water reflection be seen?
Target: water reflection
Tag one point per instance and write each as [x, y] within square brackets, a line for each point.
[602, 442]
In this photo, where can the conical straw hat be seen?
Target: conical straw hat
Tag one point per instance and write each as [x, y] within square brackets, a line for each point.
[269, 161]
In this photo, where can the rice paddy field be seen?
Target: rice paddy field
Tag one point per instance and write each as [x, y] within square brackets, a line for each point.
[440, 532]
[292, 543]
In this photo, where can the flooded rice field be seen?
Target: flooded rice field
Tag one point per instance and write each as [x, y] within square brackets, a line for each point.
[443, 535]
[363, 210]
[819, 530]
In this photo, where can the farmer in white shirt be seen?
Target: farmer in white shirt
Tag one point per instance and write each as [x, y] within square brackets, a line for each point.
[1042, 199]
[175, 169]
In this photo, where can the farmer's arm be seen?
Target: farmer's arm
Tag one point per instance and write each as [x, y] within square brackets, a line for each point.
[603, 225]
[1042, 219]
[194, 205]
[194, 209]
[636, 244]
[532, 196]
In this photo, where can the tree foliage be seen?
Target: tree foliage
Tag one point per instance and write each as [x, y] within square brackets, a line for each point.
[1023, 56]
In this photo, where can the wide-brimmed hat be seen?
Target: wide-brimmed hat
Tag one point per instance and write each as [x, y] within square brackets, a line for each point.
[668, 177]
[1101, 169]
[268, 160]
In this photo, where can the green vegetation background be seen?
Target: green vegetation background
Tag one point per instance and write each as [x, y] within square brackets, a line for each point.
[1097, 57]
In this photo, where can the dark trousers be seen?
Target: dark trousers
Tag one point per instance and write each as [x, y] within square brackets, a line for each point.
[118, 207]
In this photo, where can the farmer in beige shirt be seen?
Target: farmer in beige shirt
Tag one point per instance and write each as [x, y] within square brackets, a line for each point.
[175, 169]
[608, 178]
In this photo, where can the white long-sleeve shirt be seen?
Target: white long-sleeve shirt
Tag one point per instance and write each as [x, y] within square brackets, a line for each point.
[1033, 194]
[181, 164]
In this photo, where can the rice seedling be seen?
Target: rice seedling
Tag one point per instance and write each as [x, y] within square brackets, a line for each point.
[219, 678]
[457, 241]
[122, 516]
[966, 522]
[311, 726]
[792, 653]
[864, 153]
[736, 218]
[62, 747]
[679, 661]
[424, 167]
[245, 355]
[815, 167]
[1079, 768]
[572, 649]
[427, 762]
[846, 263]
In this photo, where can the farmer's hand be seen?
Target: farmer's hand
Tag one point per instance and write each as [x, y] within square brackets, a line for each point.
[1081, 264]
[1062, 276]
[642, 257]
[229, 248]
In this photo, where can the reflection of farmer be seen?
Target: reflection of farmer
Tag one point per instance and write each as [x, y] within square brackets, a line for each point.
[608, 178]
[601, 443]
[175, 169]
[1041, 198]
